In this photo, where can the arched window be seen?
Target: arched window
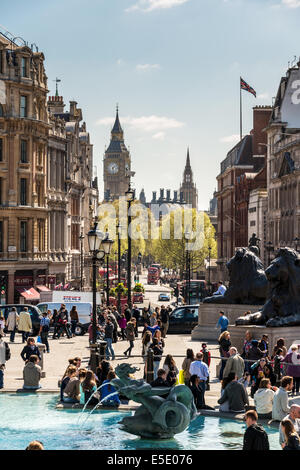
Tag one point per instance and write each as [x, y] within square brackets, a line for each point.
[1, 110]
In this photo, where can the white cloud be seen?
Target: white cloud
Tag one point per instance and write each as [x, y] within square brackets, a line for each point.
[145, 123]
[159, 136]
[291, 3]
[145, 67]
[150, 5]
[263, 96]
[230, 138]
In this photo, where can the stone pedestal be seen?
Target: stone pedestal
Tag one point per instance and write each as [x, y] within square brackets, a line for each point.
[208, 317]
[289, 334]
[42, 349]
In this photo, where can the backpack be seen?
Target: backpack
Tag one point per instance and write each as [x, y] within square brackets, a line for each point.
[7, 352]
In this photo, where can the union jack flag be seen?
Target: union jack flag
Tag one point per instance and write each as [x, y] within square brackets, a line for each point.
[245, 86]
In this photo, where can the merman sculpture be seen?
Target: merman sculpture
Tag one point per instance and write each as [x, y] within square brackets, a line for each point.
[164, 411]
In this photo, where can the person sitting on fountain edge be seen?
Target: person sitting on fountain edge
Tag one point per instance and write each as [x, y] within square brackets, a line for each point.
[221, 289]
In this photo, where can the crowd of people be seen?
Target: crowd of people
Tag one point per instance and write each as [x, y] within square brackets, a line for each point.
[268, 376]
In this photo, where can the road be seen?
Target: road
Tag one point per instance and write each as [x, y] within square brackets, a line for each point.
[152, 292]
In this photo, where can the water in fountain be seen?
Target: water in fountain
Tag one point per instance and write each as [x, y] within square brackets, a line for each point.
[98, 404]
[86, 404]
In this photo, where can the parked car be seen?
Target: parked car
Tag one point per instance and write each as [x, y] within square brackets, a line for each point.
[34, 311]
[164, 297]
[183, 319]
[84, 310]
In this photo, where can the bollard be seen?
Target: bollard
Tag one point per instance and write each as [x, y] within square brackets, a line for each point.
[42, 349]
[150, 371]
[94, 357]
[102, 348]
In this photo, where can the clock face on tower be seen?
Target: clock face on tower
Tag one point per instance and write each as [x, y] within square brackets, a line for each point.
[113, 168]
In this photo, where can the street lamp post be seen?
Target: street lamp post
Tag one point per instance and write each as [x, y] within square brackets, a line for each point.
[119, 267]
[209, 254]
[94, 238]
[81, 238]
[188, 268]
[106, 244]
[130, 198]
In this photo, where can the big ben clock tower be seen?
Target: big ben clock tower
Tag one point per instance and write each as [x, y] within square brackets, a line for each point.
[116, 164]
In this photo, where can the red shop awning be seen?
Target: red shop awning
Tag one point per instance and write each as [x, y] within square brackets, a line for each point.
[29, 294]
[43, 288]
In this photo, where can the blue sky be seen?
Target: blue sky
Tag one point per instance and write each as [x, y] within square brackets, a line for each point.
[172, 65]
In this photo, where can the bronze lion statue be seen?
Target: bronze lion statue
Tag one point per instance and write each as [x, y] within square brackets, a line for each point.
[282, 307]
[247, 280]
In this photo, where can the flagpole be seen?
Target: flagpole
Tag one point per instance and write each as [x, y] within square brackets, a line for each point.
[241, 113]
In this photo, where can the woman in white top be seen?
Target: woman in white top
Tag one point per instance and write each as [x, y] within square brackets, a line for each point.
[263, 399]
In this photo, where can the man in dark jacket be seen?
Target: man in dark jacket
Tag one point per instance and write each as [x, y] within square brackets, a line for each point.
[136, 314]
[127, 313]
[108, 337]
[255, 437]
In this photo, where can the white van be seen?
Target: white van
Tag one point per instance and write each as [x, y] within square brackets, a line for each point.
[84, 309]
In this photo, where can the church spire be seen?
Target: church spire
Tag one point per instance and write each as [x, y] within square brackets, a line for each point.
[117, 129]
[188, 163]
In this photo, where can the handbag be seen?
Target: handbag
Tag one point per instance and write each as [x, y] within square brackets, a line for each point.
[39, 339]
[181, 377]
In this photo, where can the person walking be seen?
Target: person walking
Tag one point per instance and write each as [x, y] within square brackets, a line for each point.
[4, 356]
[108, 337]
[255, 437]
[199, 368]
[136, 314]
[165, 317]
[234, 364]
[25, 324]
[223, 322]
[127, 312]
[130, 335]
[280, 402]
[122, 324]
[12, 323]
[55, 324]
[74, 319]
[44, 329]
[62, 320]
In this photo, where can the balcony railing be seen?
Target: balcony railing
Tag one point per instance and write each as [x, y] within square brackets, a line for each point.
[24, 256]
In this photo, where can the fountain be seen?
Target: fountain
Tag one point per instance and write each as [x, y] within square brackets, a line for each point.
[164, 411]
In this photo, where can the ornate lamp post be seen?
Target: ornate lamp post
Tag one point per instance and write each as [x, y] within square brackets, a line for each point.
[269, 247]
[106, 244]
[95, 237]
[130, 198]
[209, 254]
[188, 267]
[81, 238]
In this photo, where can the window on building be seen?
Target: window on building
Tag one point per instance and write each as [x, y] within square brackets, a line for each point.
[1, 180]
[252, 223]
[1, 150]
[23, 106]
[41, 235]
[23, 191]
[23, 236]
[24, 151]
[24, 67]
[1, 110]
